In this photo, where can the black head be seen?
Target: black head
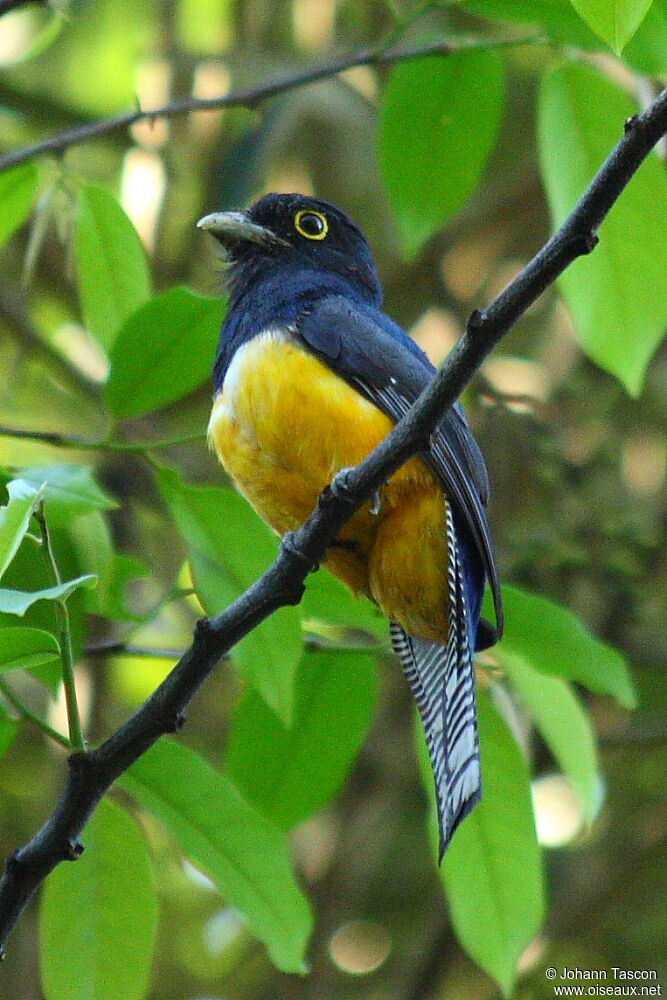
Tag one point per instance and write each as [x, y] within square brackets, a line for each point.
[293, 233]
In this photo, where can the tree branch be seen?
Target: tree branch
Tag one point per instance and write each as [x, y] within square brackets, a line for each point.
[91, 773]
[247, 97]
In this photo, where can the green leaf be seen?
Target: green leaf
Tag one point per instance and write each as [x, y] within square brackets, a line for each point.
[618, 294]
[492, 870]
[70, 490]
[433, 149]
[327, 600]
[564, 724]
[550, 639]
[17, 602]
[98, 917]
[228, 839]
[291, 773]
[163, 352]
[18, 190]
[229, 548]
[15, 519]
[614, 21]
[8, 730]
[26, 648]
[111, 263]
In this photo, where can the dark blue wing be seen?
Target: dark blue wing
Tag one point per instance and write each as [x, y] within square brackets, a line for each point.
[367, 349]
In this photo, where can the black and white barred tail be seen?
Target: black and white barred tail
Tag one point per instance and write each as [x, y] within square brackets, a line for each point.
[442, 678]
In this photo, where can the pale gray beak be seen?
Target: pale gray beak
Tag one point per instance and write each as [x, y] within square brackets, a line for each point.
[236, 227]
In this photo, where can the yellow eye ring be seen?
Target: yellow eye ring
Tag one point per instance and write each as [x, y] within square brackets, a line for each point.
[313, 225]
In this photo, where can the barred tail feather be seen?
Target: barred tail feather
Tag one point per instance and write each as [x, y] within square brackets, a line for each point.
[442, 679]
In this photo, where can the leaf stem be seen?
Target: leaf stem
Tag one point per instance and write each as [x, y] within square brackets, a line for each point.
[32, 717]
[65, 635]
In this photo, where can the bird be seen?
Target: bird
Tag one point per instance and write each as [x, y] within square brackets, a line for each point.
[309, 376]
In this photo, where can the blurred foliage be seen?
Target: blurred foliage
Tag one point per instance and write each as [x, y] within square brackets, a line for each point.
[295, 778]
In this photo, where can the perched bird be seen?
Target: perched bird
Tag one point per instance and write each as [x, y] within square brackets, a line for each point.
[310, 376]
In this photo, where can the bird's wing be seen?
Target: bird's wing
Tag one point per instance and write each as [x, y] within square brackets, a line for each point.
[375, 356]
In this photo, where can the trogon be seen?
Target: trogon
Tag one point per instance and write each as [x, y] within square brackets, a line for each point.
[310, 375]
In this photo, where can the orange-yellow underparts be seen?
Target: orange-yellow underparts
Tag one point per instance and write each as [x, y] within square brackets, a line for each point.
[283, 425]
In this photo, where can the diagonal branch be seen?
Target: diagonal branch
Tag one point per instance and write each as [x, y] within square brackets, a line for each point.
[248, 97]
[91, 773]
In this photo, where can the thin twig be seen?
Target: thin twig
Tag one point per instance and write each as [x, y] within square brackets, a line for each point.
[31, 717]
[247, 97]
[92, 773]
[65, 635]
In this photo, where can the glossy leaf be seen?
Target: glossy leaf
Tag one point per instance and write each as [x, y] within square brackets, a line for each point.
[229, 548]
[98, 917]
[111, 263]
[291, 773]
[18, 190]
[70, 490]
[230, 841]
[164, 351]
[17, 602]
[614, 21]
[492, 869]
[550, 639]
[563, 723]
[27, 648]
[15, 519]
[618, 294]
[433, 151]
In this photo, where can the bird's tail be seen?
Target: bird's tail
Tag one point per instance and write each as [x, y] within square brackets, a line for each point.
[442, 678]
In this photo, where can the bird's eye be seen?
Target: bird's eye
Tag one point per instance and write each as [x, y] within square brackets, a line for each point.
[312, 225]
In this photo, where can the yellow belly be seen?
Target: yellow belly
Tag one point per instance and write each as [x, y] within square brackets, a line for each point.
[283, 425]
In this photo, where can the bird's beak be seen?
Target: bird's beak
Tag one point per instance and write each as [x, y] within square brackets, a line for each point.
[235, 227]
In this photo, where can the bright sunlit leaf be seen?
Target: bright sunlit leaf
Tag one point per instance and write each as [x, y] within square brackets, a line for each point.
[18, 190]
[433, 150]
[17, 602]
[563, 723]
[618, 294]
[230, 841]
[69, 490]
[614, 21]
[229, 548]
[550, 639]
[98, 916]
[15, 518]
[26, 648]
[111, 264]
[164, 351]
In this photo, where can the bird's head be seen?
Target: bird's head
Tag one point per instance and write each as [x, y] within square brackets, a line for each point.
[291, 233]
